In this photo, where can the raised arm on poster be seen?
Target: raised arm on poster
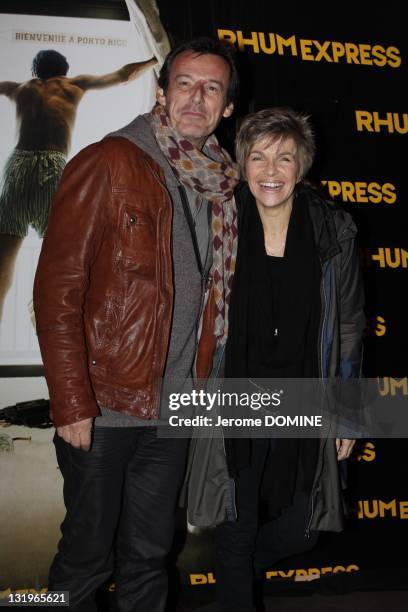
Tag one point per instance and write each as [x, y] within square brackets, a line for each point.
[144, 15]
[46, 107]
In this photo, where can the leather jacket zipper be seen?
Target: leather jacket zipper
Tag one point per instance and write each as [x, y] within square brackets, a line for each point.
[161, 306]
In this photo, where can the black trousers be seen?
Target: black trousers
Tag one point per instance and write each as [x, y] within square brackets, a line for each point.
[242, 549]
[120, 499]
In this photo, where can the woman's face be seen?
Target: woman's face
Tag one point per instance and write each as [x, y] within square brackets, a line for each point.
[272, 171]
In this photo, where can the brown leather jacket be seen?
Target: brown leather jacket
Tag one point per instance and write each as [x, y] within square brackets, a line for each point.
[103, 292]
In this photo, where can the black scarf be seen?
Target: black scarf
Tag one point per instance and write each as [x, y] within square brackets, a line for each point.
[293, 308]
[259, 307]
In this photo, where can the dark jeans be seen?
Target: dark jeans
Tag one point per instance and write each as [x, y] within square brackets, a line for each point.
[241, 547]
[120, 498]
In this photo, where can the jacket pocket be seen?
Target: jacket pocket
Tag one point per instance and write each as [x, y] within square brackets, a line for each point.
[106, 326]
[137, 243]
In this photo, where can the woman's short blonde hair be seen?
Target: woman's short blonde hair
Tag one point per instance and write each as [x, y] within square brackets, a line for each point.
[277, 124]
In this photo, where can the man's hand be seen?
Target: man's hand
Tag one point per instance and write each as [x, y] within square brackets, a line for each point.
[344, 448]
[77, 434]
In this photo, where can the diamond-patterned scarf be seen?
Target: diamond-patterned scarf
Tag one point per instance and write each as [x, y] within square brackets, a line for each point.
[213, 175]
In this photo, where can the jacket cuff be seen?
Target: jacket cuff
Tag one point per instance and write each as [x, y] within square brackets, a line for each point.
[67, 415]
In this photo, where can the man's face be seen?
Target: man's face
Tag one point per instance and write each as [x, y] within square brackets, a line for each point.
[196, 95]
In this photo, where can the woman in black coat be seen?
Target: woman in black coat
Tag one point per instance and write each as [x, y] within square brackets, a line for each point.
[294, 251]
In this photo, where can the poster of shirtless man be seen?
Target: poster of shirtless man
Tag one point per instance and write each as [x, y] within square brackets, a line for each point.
[46, 107]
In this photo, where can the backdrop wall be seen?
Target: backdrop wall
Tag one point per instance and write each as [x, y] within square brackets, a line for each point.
[346, 67]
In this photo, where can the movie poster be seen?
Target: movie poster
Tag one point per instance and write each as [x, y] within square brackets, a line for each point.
[93, 48]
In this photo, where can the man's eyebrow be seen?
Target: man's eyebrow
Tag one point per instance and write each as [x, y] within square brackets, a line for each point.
[216, 81]
[189, 76]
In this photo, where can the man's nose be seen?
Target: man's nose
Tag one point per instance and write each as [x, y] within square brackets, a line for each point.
[198, 92]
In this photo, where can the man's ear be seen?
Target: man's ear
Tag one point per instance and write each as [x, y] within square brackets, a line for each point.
[160, 96]
[228, 110]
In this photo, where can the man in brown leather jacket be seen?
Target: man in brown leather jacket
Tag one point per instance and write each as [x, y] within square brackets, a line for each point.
[136, 265]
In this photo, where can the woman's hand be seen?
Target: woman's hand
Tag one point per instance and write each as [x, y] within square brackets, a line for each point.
[344, 448]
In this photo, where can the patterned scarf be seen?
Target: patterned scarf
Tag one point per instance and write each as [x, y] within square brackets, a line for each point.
[212, 175]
